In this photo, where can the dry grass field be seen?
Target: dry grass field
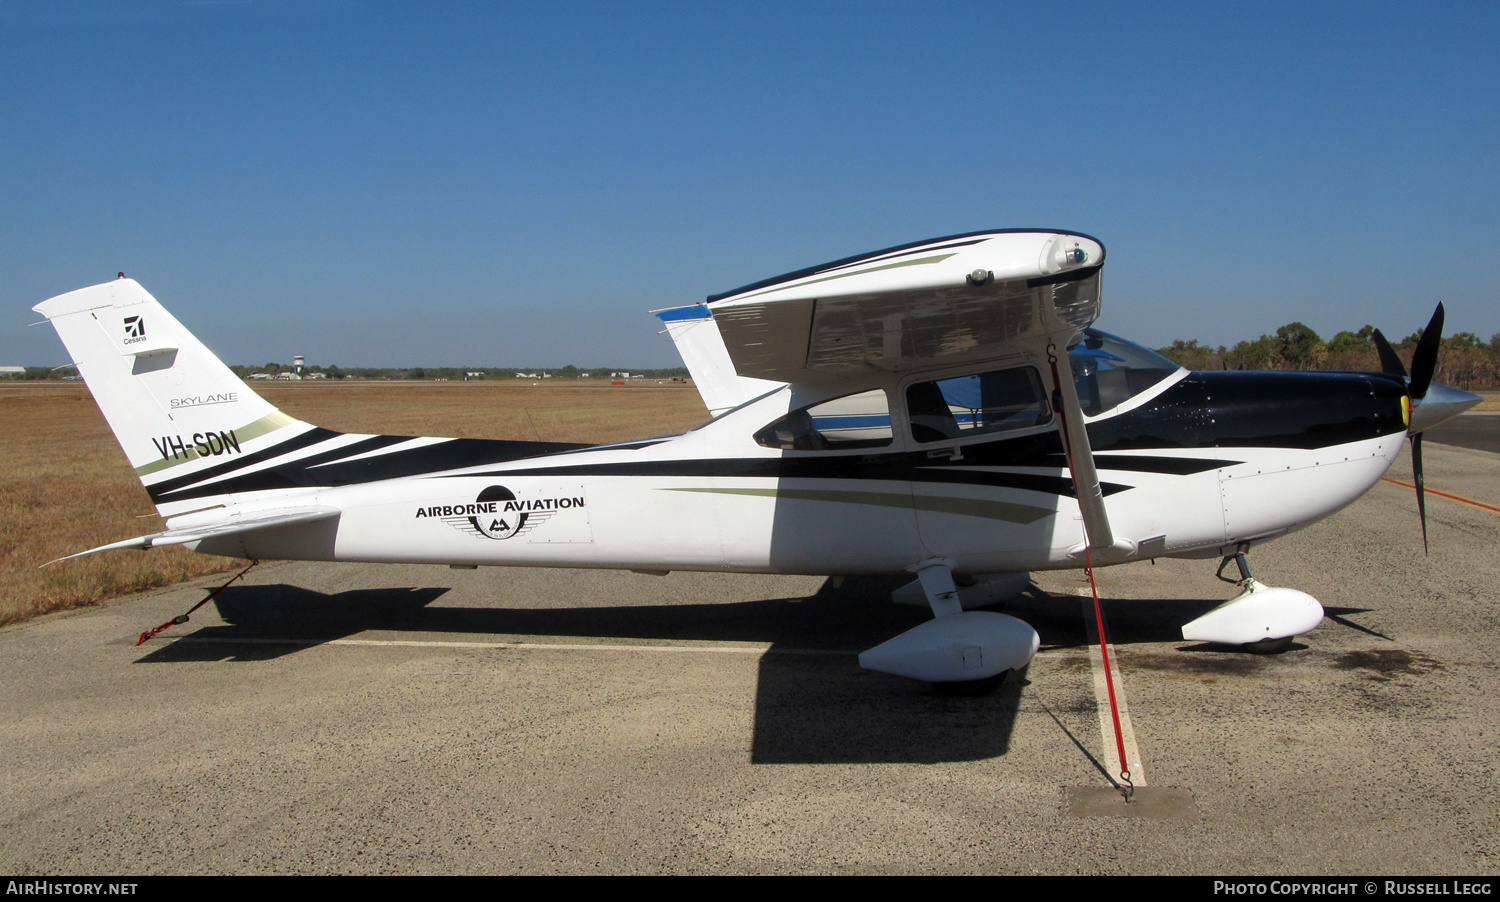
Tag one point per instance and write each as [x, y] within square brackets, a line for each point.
[67, 487]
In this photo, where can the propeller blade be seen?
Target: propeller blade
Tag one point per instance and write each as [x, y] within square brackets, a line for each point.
[1390, 361]
[1416, 472]
[1424, 361]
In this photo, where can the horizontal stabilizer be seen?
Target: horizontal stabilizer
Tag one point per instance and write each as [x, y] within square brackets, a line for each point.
[227, 527]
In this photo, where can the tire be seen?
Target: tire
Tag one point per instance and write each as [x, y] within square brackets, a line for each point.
[1268, 646]
[971, 688]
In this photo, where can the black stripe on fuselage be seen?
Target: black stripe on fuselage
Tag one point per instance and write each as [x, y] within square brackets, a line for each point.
[306, 472]
[898, 468]
[1301, 410]
[1297, 410]
[1042, 451]
[1203, 410]
[1170, 466]
[981, 464]
[296, 443]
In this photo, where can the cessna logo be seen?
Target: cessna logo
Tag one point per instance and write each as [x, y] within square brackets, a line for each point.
[135, 329]
[498, 514]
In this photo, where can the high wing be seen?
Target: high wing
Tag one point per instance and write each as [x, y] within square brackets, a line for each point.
[961, 299]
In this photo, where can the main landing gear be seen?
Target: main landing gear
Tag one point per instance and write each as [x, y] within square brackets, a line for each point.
[1261, 619]
[960, 652]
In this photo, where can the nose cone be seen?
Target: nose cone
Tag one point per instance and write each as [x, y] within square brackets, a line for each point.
[1441, 404]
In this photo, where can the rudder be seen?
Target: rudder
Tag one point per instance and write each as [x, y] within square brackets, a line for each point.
[174, 407]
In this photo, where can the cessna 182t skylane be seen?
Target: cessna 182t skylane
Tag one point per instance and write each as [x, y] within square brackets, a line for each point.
[942, 409]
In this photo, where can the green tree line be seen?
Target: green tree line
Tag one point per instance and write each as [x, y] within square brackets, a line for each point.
[1466, 361]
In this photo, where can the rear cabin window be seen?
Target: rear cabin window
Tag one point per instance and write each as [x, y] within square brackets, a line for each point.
[997, 401]
[855, 421]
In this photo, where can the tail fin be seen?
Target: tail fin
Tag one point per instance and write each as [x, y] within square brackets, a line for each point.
[697, 337]
[175, 408]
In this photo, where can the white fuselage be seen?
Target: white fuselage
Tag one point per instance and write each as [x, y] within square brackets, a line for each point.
[715, 499]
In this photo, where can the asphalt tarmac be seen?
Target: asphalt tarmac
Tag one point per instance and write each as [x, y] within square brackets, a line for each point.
[377, 719]
[1479, 431]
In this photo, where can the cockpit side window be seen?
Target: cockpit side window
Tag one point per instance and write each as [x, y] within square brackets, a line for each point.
[852, 422]
[997, 401]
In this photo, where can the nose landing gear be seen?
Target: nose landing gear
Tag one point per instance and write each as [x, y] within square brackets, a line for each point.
[1261, 619]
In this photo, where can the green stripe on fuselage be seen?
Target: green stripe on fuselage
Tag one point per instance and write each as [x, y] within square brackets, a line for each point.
[1008, 511]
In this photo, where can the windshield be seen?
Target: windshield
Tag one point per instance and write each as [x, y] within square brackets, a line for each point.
[1108, 370]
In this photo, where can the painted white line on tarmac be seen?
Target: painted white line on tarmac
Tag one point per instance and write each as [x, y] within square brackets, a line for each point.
[1101, 702]
[756, 649]
[519, 646]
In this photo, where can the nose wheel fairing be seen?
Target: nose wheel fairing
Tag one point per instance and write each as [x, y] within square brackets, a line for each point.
[1261, 618]
[1259, 614]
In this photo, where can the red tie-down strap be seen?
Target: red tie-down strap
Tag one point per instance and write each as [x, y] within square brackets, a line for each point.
[183, 618]
[1088, 566]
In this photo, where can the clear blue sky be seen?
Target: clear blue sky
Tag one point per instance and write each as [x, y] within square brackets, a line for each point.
[394, 184]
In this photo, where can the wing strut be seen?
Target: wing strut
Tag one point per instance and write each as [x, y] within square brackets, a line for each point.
[1096, 531]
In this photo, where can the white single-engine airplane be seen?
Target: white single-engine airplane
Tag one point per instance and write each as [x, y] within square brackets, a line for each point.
[942, 409]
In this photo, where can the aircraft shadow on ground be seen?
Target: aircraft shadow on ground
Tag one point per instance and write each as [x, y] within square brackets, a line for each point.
[1062, 623]
[810, 708]
[829, 711]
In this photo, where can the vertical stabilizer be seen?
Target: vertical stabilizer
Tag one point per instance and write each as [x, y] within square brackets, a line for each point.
[175, 408]
[697, 337]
